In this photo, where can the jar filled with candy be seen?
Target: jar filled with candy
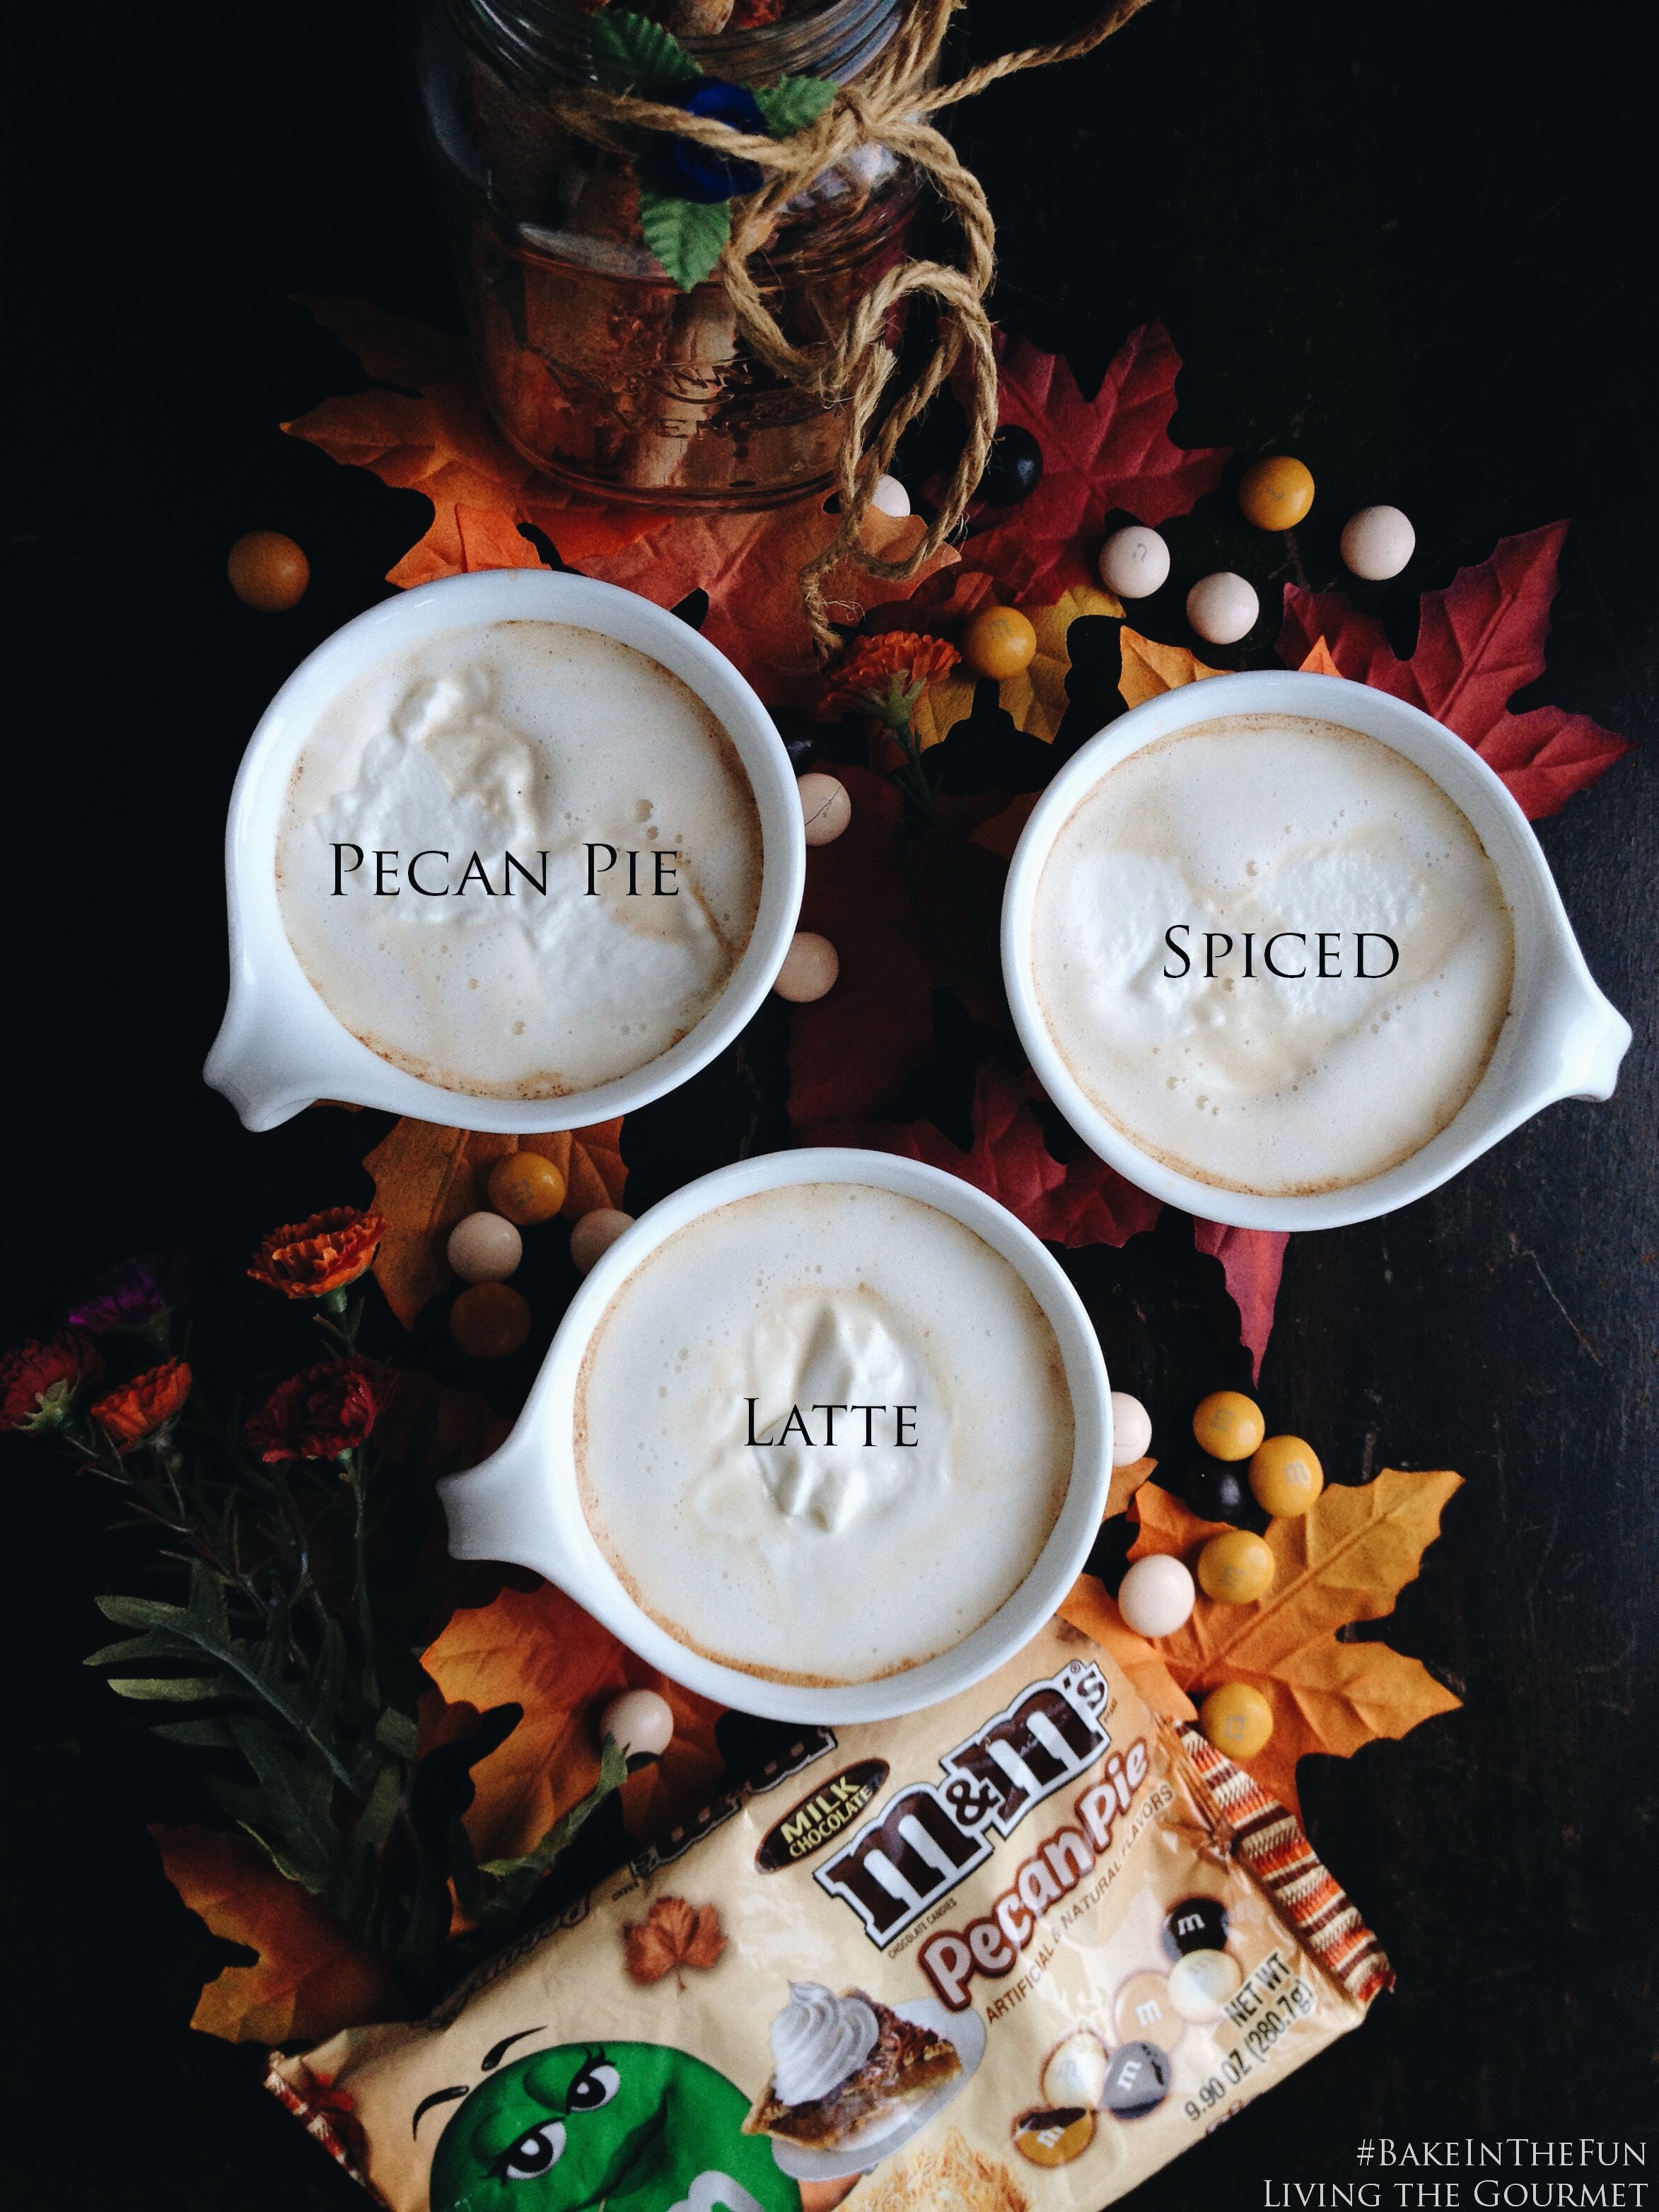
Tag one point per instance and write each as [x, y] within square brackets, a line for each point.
[595, 363]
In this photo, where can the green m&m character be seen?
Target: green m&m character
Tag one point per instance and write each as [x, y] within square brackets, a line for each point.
[628, 2127]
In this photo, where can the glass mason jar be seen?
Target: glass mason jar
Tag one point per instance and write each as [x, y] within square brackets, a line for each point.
[595, 365]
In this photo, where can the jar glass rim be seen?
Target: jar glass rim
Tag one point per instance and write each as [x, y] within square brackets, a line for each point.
[549, 40]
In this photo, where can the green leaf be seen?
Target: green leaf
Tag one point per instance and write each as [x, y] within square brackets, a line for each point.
[515, 1878]
[207, 1735]
[374, 1821]
[143, 1612]
[633, 54]
[156, 1646]
[687, 237]
[178, 1689]
[793, 102]
[397, 1733]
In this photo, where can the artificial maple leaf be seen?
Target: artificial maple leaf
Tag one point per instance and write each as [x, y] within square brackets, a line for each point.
[1477, 642]
[310, 1977]
[1126, 1481]
[1036, 700]
[749, 567]
[539, 1650]
[1076, 1201]
[428, 1426]
[1251, 1260]
[427, 1178]
[898, 939]
[1319, 661]
[435, 436]
[1150, 668]
[1346, 1560]
[673, 1935]
[1112, 450]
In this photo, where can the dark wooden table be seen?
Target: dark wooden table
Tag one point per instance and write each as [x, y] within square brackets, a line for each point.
[1409, 241]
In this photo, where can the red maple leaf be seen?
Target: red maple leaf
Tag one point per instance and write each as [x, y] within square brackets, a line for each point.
[1112, 450]
[1477, 642]
[1075, 1201]
[1251, 1263]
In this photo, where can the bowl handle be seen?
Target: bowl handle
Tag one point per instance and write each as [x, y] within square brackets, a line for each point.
[502, 1510]
[1594, 1038]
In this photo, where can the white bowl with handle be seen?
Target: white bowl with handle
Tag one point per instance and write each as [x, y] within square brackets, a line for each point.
[280, 1048]
[523, 1503]
[1561, 1038]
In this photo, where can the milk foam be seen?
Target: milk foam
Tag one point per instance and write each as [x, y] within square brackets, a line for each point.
[524, 738]
[1272, 1084]
[823, 1562]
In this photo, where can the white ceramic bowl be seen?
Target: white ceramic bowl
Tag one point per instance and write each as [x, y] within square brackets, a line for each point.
[1562, 1039]
[279, 1048]
[522, 1504]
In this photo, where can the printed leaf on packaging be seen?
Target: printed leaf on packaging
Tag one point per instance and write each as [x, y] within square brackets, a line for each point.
[1111, 451]
[1479, 643]
[1076, 1201]
[686, 236]
[1344, 1560]
[432, 436]
[311, 1977]
[539, 1650]
[427, 1178]
[672, 1935]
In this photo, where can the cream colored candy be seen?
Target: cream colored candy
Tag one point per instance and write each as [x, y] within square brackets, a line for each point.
[485, 1248]
[1222, 608]
[889, 497]
[1202, 1983]
[641, 1723]
[1156, 1596]
[1134, 563]
[1132, 1429]
[1377, 541]
[824, 804]
[595, 1233]
[810, 968]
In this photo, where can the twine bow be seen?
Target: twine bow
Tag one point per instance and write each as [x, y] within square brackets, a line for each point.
[852, 366]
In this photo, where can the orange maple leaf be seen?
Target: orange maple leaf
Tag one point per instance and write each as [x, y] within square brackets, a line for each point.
[673, 1935]
[428, 1178]
[1150, 668]
[435, 436]
[1344, 1560]
[310, 1977]
[539, 1650]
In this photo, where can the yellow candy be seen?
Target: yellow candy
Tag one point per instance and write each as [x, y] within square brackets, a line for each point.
[1236, 1719]
[1275, 494]
[998, 642]
[1285, 1477]
[1237, 1568]
[525, 1188]
[1228, 1425]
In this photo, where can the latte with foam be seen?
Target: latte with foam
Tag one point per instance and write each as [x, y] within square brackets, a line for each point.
[519, 859]
[822, 1433]
[1272, 953]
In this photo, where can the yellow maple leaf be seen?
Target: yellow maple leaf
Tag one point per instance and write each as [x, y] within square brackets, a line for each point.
[1150, 667]
[1344, 1560]
[427, 1178]
[1037, 698]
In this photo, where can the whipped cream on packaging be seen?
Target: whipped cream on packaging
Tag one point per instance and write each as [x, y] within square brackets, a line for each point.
[818, 2040]
[1272, 952]
[519, 859]
[965, 1995]
[823, 1432]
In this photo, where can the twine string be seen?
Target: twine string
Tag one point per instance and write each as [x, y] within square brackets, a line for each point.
[852, 366]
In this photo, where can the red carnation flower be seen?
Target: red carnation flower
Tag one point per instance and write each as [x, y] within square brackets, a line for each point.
[308, 1258]
[324, 1413]
[40, 1382]
[135, 1410]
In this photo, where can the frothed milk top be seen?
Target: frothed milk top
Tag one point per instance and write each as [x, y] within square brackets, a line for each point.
[519, 859]
[823, 1432]
[1272, 952]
